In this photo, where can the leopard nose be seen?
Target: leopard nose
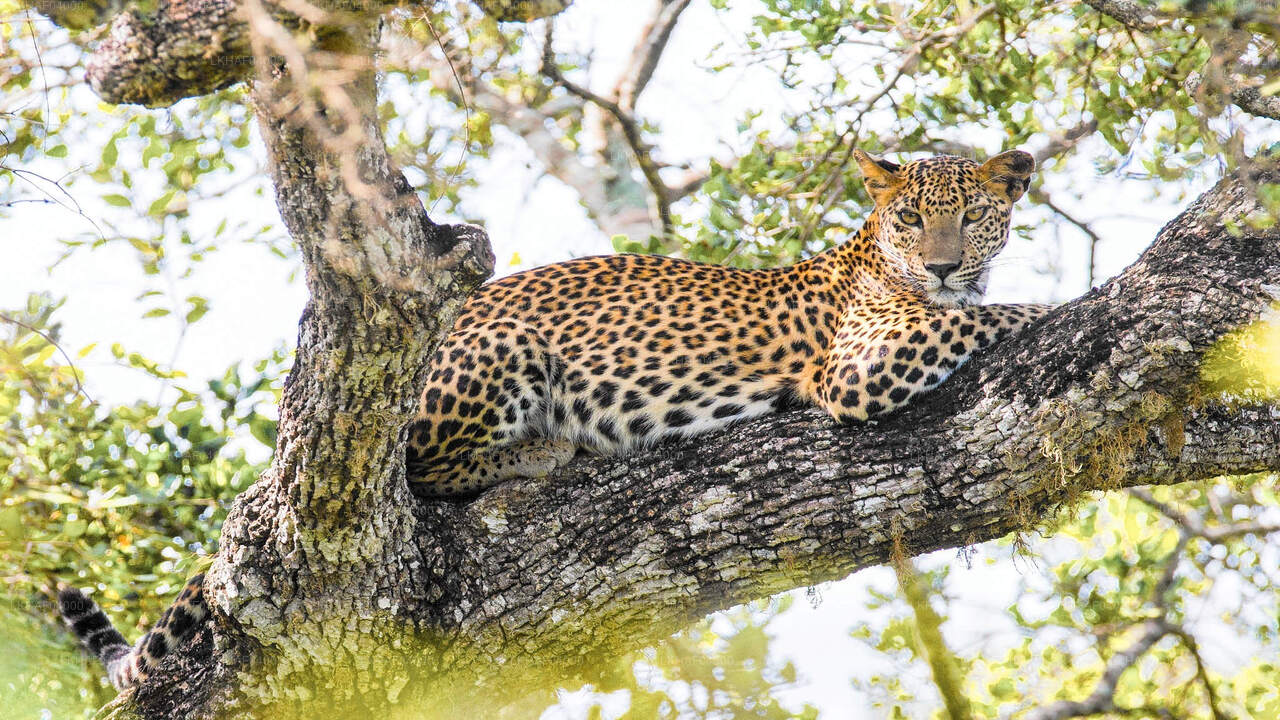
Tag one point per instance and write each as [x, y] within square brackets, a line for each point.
[942, 270]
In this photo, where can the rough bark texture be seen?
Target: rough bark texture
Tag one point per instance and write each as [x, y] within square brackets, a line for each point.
[181, 49]
[156, 54]
[335, 583]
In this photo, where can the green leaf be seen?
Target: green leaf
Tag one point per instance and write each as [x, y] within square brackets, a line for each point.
[199, 306]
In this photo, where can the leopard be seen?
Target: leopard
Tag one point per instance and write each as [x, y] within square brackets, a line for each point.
[614, 353]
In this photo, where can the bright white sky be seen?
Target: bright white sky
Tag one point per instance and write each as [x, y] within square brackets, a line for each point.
[255, 306]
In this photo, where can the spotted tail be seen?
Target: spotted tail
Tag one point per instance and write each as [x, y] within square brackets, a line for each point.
[127, 665]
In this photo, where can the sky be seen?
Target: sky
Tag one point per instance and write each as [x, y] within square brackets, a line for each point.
[256, 299]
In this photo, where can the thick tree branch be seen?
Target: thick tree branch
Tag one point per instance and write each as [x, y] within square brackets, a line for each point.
[156, 55]
[522, 10]
[1137, 15]
[183, 49]
[385, 283]
[1102, 394]
[543, 580]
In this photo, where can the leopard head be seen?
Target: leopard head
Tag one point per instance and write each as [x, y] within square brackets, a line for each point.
[942, 220]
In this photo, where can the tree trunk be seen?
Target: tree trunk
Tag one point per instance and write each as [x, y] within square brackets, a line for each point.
[334, 585]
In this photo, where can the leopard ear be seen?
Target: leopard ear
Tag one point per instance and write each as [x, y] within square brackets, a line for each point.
[880, 176]
[1008, 173]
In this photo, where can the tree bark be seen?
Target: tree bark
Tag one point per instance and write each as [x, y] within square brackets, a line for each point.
[334, 583]
[156, 54]
[335, 588]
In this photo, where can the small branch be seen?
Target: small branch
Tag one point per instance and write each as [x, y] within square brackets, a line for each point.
[1064, 140]
[689, 184]
[1191, 525]
[1246, 96]
[75, 372]
[630, 130]
[941, 38]
[530, 122]
[1195, 527]
[1040, 196]
[1202, 673]
[1128, 13]
[648, 50]
[1102, 699]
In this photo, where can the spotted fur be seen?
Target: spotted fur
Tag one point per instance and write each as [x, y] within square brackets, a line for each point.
[613, 353]
[127, 664]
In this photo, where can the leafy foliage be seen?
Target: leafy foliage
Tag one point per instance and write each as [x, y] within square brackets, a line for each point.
[1197, 557]
[125, 500]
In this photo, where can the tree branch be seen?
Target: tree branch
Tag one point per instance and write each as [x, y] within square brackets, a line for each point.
[1235, 34]
[1042, 197]
[1129, 13]
[183, 49]
[156, 55]
[648, 50]
[1064, 140]
[1246, 96]
[543, 580]
[1192, 526]
[521, 10]
[626, 122]
[1102, 699]
[1103, 393]
[532, 124]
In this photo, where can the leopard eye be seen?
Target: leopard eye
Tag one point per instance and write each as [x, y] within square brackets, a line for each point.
[909, 217]
[975, 214]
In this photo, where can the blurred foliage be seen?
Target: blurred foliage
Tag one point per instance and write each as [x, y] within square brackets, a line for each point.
[1245, 364]
[1112, 566]
[1017, 71]
[716, 670]
[123, 500]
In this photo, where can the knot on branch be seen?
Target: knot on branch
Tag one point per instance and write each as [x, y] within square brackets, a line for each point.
[184, 48]
[465, 250]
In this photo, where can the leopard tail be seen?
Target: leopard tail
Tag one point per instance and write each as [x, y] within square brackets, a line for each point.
[127, 665]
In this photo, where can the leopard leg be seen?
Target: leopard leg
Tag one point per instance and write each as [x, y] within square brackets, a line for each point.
[483, 415]
[888, 352]
[481, 469]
